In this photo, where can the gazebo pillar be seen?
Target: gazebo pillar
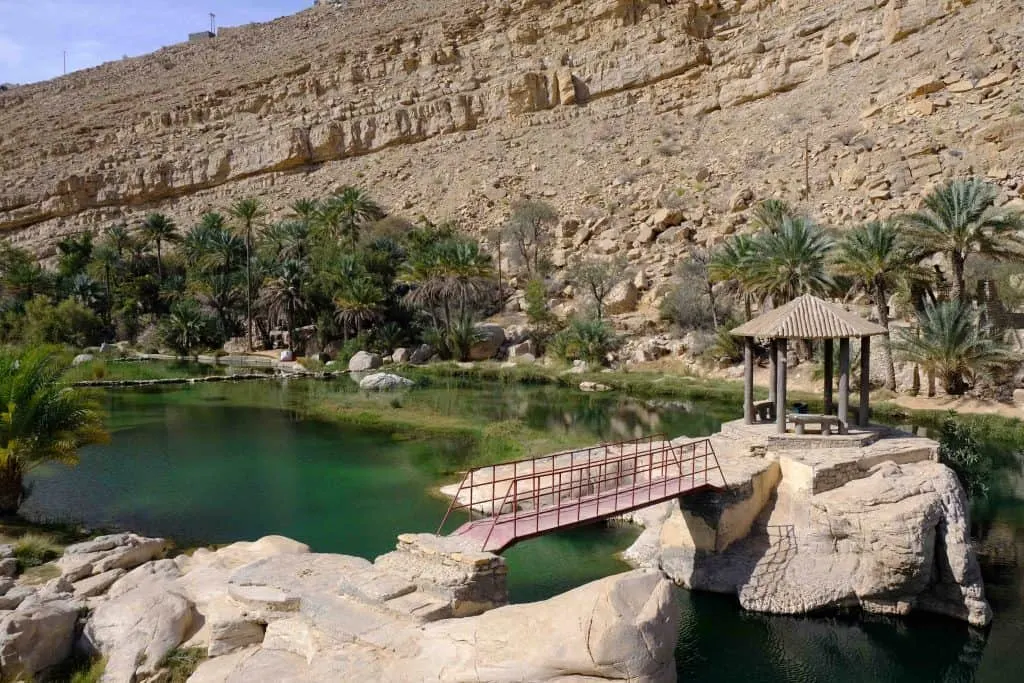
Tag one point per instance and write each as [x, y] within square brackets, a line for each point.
[844, 380]
[773, 373]
[780, 389]
[748, 380]
[829, 375]
[865, 382]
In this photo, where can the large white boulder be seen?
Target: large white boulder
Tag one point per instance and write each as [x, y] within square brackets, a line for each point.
[36, 638]
[135, 631]
[364, 361]
[384, 381]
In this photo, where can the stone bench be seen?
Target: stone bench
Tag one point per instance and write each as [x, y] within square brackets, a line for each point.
[765, 411]
[826, 422]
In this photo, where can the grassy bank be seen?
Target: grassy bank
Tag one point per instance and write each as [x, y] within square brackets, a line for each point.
[119, 370]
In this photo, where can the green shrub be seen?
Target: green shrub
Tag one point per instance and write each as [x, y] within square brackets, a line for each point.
[34, 549]
[585, 339]
[180, 664]
[961, 450]
[69, 322]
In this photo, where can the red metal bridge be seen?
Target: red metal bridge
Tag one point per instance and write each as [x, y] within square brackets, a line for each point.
[513, 501]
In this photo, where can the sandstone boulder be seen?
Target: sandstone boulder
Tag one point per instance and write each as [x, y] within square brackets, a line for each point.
[364, 361]
[82, 359]
[491, 339]
[623, 298]
[421, 354]
[36, 638]
[401, 355]
[383, 381]
[114, 551]
[136, 630]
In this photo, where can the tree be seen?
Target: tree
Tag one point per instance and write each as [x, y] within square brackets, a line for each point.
[75, 254]
[158, 229]
[597, 278]
[305, 209]
[357, 304]
[248, 212]
[185, 327]
[950, 344]
[528, 230]
[959, 219]
[876, 257]
[769, 215]
[343, 215]
[791, 262]
[41, 420]
[117, 236]
[733, 263]
[452, 272]
[107, 258]
[283, 295]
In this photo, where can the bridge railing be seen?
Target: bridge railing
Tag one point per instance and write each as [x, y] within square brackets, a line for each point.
[583, 484]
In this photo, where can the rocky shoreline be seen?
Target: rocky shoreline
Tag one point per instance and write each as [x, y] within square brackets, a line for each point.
[272, 611]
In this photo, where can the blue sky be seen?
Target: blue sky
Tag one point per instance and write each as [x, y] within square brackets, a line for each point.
[35, 33]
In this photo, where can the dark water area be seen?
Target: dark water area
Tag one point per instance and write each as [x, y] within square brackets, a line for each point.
[223, 462]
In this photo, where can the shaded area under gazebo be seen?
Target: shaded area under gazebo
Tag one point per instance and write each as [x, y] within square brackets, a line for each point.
[810, 318]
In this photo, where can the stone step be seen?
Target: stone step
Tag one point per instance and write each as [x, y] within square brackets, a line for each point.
[374, 586]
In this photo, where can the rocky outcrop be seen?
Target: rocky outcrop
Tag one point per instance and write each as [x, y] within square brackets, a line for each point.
[890, 538]
[620, 628]
[271, 610]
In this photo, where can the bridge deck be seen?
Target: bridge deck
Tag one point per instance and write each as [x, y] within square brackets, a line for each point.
[510, 502]
[495, 534]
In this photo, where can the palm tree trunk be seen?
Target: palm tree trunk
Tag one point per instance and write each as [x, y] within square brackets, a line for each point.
[248, 284]
[882, 306]
[12, 489]
[159, 264]
[747, 307]
[959, 288]
[291, 327]
[110, 299]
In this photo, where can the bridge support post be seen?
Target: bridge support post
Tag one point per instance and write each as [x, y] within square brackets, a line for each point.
[748, 380]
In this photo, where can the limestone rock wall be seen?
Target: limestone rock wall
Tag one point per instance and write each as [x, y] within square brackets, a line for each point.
[616, 111]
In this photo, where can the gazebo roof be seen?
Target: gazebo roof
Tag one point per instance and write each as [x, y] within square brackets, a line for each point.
[808, 317]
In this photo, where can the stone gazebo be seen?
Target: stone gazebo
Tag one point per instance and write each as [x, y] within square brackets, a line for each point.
[811, 318]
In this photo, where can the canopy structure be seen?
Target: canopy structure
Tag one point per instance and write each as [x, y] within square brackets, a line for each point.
[808, 317]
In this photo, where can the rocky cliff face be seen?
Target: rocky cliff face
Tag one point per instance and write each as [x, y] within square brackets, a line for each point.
[609, 109]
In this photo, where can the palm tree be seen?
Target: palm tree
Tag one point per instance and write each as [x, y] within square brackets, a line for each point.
[960, 218]
[118, 238]
[305, 209]
[107, 258]
[790, 262]
[452, 272]
[41, 420]
[770, 214]
[248, 212]
[876, 257]
[283, 295]
[185, 326]
[949, 343]
[342, 216]
[732, 263]
[158, 228]
[357, 304]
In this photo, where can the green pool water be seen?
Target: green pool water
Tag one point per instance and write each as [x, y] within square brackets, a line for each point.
[223, 462]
